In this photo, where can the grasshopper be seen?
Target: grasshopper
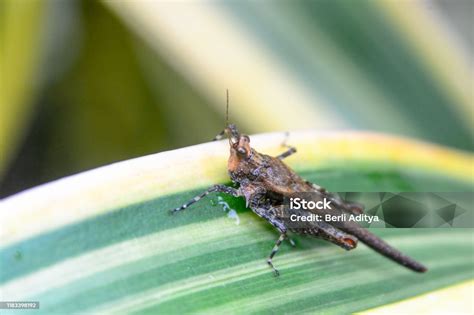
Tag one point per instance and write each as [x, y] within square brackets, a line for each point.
[265, 181]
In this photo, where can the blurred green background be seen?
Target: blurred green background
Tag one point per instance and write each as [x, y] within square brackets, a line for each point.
[87, 83]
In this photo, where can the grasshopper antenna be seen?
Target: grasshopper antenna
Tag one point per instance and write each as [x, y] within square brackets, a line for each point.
[221, 134]
[227, 109]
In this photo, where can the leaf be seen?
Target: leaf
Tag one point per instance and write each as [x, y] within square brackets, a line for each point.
[104, 242]
[21, 24]
[94, 107]
[329, 64]
[105, 109]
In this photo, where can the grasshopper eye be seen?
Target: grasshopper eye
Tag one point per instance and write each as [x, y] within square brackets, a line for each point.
[241, 151]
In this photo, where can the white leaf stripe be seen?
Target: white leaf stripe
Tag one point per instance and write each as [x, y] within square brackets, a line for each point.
[100, 260]
[58, 276]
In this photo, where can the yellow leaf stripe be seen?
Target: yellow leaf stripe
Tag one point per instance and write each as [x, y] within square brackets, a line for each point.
[456, 299]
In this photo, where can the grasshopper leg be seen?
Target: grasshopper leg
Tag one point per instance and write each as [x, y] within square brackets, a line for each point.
[274, 251]
[216, 188]
[287, 153]
[291, 150]
[269, 215]
[355, 208]
[219, 136]
[336, 236]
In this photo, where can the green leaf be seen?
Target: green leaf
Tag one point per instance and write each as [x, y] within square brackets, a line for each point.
[330, 64]
[20, 28]
[103, 241]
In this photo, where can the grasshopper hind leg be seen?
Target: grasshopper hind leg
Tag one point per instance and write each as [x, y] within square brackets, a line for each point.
[335, 235]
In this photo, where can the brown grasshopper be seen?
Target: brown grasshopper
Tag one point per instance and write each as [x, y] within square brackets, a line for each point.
[265, 181]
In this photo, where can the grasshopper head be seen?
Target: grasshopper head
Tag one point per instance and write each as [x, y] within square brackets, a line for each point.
[240, 150]
[239, 143]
